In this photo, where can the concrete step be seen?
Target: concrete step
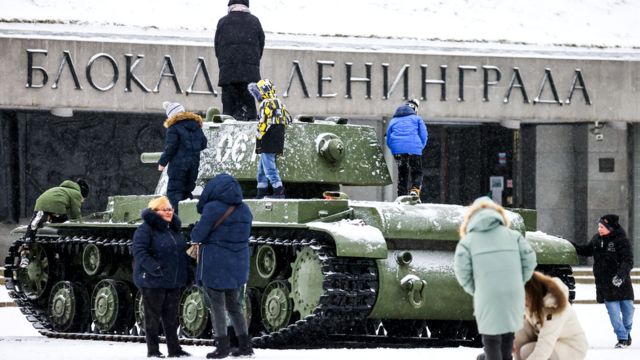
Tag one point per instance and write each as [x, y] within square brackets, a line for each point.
[591, 280]
[588, 271]
[593, 301]
[584, 275]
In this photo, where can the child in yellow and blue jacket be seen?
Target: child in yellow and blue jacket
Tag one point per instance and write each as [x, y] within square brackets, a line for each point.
[273, 119]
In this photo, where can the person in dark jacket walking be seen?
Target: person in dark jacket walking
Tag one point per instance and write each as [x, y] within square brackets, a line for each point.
[160, 266]
[184, 141]
[612, 264]
[239, 43]
[274, 118]
[57, 205]
[223, 264]
[406, 138]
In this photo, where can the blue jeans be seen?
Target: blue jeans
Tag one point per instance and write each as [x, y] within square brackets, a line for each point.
[268, 172]
[621, 317]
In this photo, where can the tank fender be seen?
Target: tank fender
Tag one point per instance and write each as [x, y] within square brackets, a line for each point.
[354, 238]
[551, 249]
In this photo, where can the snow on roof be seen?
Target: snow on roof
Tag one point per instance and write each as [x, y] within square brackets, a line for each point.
[357, 23]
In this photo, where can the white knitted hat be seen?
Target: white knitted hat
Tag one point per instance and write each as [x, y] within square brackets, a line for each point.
[172, 108]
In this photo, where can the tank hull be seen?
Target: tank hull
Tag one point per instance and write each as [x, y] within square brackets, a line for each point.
[323, 268]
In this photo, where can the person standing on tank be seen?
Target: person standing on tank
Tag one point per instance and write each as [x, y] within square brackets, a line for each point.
[183, 144]
[239, 44]
[272, 123]
[160, 271]
[492, 263]
[406, 138]
[222, 237]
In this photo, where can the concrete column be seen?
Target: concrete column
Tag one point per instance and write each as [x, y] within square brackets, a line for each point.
[608, 177]
[555, 179]
[634, 221]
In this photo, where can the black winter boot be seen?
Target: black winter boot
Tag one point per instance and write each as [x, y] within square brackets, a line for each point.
[222, 348]
[261, 193]
[244, 348]
[278, 193]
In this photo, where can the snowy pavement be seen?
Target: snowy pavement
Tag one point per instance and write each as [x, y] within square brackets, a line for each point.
[19, 340]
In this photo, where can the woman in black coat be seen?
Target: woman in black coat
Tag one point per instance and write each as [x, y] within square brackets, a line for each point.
[160, 265]
[239, 43]
[612, 264]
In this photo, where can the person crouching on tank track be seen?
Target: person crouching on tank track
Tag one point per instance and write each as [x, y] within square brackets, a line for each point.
[160, 270]
[222, 235]
[56, 205]
[183, 144]
[492, 263]
[272, 122]
[406, 138]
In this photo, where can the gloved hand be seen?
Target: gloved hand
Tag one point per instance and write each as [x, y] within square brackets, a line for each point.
[616, 281]
[157, 271]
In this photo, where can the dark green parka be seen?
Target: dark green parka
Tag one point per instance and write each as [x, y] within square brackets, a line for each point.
[63, 199]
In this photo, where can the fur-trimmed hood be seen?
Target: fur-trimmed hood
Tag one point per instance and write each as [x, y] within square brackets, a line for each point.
[557, 296]
[156, 221]
[483, 214]
[183, 116]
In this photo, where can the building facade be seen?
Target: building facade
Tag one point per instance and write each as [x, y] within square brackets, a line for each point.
[550, 129]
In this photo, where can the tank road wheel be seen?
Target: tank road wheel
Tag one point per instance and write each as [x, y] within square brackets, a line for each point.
[138, 312]
[276, 307]
[111, 306]
[266, 261]
[194, 315]
[306, 282]
[93, 261]
[35, 279]
[68, 307]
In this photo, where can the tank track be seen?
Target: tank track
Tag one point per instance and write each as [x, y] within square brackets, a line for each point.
[350, 291]
[564, 273]
[350, 285]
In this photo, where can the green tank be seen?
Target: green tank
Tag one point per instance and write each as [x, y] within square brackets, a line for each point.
[324, 268]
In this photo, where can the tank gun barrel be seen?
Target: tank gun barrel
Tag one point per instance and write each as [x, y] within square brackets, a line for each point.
[150, 157]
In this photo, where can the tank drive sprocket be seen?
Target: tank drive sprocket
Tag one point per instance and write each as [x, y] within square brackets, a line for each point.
[306, 282]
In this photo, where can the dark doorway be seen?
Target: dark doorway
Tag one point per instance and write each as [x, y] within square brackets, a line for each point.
[460, 160]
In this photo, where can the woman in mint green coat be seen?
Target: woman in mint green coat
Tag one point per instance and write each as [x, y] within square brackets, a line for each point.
[492, 263]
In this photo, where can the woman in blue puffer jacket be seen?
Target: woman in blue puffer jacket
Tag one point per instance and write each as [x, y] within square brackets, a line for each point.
[223, 264]
[406, 138]
[160, 267]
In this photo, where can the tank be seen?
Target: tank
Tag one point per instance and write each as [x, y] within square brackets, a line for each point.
[324, 269]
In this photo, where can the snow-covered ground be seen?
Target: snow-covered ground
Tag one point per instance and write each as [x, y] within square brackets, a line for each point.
[19, 340]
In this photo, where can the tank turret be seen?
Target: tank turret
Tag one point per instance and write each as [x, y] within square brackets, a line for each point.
[323, 267]
[321, 154]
